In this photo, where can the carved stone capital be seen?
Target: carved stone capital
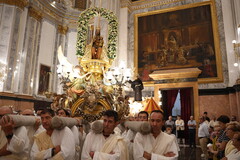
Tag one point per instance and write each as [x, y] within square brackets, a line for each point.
[126, 4]
[19, 3]
[62, 29]
[34, 13]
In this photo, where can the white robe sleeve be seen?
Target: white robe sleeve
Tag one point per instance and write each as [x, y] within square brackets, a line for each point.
[66, 140]
[130, 135]
[173, 148]
[19, 142]
[105, 156]
[87, 147]
[67, 144]
[36, 154]
[138, 149]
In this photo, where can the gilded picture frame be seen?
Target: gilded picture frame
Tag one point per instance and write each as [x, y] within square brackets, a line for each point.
[179, 37]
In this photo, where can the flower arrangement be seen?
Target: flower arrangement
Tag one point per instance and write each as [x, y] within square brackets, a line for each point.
[84, 18]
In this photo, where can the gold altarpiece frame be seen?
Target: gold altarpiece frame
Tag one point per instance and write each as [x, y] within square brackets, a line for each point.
[188, 40]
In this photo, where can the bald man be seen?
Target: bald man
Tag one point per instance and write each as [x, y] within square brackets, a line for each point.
[13, 141]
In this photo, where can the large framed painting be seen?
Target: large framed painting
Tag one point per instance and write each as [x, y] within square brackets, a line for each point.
[179, 37]
[44, 77]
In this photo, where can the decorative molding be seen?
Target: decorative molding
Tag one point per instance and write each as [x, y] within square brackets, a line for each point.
[178, 80]
[184, 73]
[222, 91]
[19, 3]
[55, 14]
[125, 3]
[12, 96]
[151, 3]
[35, 14]
[62, 29]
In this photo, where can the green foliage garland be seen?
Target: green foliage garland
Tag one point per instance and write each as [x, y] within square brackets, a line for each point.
[82, 31]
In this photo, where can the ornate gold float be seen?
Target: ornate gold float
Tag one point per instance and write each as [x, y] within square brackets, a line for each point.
[88, 94]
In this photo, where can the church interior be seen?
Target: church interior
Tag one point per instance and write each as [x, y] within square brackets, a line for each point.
[92, 55]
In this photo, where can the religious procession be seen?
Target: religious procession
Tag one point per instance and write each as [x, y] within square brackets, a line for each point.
[60, 103]
[55, 135]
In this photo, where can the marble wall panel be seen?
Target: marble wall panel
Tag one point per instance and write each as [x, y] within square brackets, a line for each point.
[5, 37]
[54, 64]
[5, 30]
[71, 49]
[29, 54]
[35, 75]
[46, 48]
[13, 63]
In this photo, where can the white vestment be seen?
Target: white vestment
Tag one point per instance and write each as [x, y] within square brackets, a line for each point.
[76, 135]
[103, 148]
[31, 132]
[82, 136]
[63, 137]
[129, 138]
[234, 155]
[18, 145]
[157, 147]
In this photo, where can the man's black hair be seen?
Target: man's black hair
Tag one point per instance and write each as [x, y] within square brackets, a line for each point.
[224, 119]
[66, 112]
[157, 111]
[50, 111]
[143, 112]
[111, 113]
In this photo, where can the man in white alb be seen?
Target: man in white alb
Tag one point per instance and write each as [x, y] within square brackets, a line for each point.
[156, 145]
[52, 143]
[142, 116]
[106, 145]
[14, 142]
[64, 113]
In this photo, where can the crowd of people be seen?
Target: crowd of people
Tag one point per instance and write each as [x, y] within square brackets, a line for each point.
[215, 136]
[110, 138]
[114, 141]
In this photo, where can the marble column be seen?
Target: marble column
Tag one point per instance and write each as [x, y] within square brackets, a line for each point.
[12, 16]
[29, 54]
[61, 40]
[123, 29]
[231, 18]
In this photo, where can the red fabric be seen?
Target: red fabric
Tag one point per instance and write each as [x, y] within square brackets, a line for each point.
[185, 99]
[171, 98]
